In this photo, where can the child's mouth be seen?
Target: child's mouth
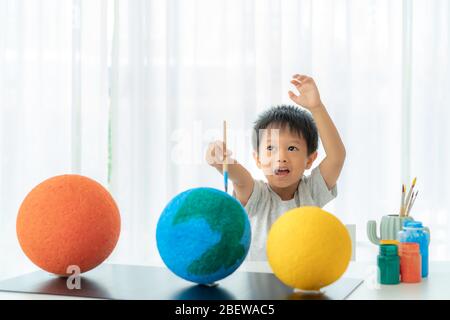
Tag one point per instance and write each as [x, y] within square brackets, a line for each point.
[282, 171]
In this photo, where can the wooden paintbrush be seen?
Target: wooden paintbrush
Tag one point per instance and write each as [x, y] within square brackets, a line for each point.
[408, 198]
[225, 158]
[402, 201]
[413, 199]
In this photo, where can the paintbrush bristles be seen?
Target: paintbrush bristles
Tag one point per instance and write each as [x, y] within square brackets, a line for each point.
[408, 197]
[406, 204]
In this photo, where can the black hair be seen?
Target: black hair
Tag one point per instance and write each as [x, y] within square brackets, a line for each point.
[297, 120]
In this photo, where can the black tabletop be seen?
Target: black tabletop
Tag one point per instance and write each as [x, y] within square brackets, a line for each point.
[113, 281]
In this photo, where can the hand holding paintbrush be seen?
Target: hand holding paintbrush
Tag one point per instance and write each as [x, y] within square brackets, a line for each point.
[219, 157]
[225, 158]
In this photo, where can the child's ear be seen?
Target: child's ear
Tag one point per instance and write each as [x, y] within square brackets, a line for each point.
[256, 157]
[311, 158]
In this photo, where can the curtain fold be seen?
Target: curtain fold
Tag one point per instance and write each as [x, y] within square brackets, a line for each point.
[53, 103]
[130, 92]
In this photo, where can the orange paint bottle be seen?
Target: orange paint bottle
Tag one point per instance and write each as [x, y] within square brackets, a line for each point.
[410, 262]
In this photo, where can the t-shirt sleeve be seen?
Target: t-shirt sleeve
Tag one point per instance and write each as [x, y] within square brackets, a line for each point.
[318, 188]
[255, 197]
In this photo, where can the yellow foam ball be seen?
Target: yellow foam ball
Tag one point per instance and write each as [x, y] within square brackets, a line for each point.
[308, 248]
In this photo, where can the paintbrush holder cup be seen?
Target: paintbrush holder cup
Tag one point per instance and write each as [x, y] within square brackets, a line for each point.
[389, 227]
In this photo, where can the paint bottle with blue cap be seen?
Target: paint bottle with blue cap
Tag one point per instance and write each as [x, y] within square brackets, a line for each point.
[414, 231]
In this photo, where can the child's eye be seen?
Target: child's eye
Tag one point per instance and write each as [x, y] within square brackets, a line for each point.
[292, 148]
[269, 148]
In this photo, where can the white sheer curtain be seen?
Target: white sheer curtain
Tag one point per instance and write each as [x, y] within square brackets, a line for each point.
[53, 102]
[181, 67]
[430, 111]
[173, 70]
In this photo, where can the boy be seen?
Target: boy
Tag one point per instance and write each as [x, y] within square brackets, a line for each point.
[285, 145]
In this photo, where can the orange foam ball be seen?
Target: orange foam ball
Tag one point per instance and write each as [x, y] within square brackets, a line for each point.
[68, 220]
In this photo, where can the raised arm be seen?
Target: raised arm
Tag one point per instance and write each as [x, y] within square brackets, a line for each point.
[309, 98]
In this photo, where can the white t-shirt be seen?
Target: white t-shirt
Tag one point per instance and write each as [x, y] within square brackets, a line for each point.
[264, 207]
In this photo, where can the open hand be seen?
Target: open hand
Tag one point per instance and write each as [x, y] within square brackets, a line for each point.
[309, 96]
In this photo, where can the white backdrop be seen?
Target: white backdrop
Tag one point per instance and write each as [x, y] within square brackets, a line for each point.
[130, 93]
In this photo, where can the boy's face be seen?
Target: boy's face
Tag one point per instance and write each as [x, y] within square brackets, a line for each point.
[283, 157]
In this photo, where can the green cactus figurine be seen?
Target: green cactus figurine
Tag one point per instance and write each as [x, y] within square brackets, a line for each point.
[389, 228]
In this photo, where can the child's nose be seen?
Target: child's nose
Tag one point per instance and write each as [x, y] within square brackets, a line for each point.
[282, 156]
